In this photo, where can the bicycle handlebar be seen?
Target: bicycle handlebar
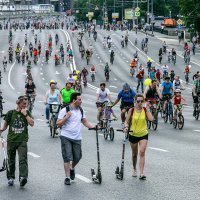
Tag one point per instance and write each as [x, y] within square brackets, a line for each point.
[121, 130]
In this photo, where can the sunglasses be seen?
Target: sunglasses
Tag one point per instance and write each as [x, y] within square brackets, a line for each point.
[140, 101]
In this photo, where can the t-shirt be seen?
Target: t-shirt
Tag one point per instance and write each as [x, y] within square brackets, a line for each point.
[52, 97]
[66, 94]
[30, 88]
[167, 87]
[127, 97]
[103, 95]
[197, 86]
[72, 128]
[18, 127]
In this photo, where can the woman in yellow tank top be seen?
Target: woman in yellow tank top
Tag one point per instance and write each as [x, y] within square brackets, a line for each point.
[139, 133]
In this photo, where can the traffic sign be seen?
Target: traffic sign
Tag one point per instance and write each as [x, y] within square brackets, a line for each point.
[137, 14]
[179, 21]
[137, 9]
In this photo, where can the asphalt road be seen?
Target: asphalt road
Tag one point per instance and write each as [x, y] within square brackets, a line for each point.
[172, 157]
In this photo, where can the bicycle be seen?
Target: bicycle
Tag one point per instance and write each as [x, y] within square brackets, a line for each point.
[187, 78]
[168, 111]
[93, 76]
[1, 104]
[159, 108]
[178, 119]
[78, 86]
[54, 109]
[174, 59]
[108, 129]
[30, 101]
[154, 113]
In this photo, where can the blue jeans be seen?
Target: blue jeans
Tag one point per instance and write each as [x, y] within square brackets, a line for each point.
[140, 81]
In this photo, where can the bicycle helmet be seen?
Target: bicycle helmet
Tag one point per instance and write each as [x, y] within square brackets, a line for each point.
[126, 86]
[109, 104]
[52, 81]
[178, 91]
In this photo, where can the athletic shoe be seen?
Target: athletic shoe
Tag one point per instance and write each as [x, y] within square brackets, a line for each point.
[23, 181]
[72, 174]
[67, 181]
[11, 182]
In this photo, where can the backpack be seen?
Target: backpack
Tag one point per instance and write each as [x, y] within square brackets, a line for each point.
[81, 109]
[9, 114]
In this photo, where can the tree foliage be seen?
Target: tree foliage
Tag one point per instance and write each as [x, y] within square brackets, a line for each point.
[190, 11]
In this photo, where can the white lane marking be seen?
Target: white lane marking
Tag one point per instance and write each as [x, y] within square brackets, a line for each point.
[158, 149]
[196, 130]
[112, 86]
[115, 79]
[18, 92]
[2, 51]
[41, 73]
[82, 178]
[41, 120]
[10, 70]
[40, 101]
[33, 154]
[43, 79]
[57, 72]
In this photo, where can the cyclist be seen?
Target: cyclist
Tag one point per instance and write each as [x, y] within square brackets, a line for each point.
[164, 47]
[122, 41]
[172, 75]
[35, 37]
[47, 55]
[158, 75]
[165, 70]
[104, 42]
[127, 100]
[173, 54]
[112, 55]
[140, 77]
[71, 80]
[56, 38]
[66, 93]
[167, 91]
[108, 111]
[160, 55]
[133, 65]
[195, 76]
[30, 89]
[152, 73]
[5, 62]
[196, 93]
[106, 69]
[103, 95]
[177, 84]
[39, 48]
[177, 99]
[52, 95]
[187, 71]
[151, 93]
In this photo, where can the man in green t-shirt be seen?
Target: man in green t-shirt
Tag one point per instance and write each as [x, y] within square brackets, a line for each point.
[18, 121]
[66, 93]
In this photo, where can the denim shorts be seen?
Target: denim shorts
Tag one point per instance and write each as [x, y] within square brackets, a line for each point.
[71, 150]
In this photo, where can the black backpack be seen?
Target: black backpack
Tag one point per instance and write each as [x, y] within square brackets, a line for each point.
[81, 109]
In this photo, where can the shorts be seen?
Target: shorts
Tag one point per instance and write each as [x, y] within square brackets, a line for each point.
[166, 97]
[134, 140]
[71, 150]
[126, 104]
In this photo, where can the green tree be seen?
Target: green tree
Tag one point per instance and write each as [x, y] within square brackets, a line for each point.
[190, 10]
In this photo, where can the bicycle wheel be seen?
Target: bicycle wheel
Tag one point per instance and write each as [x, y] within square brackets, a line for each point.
[148, 124]
[180, 121]
[51, 126]
[174, 123]
[111, 134]
[166, 118]
[197, 114]
[54, 127]
[170, 118]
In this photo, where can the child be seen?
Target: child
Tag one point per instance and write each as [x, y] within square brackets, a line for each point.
[177, 101]
[108, 111]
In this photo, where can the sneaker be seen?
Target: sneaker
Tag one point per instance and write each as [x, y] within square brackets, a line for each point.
[23, 181]
[72, 174]
[11, 182]
[67, 181]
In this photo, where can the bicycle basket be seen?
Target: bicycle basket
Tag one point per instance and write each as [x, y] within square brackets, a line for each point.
[54, 108]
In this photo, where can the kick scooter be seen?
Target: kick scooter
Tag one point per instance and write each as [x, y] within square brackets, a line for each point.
[97, 178]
